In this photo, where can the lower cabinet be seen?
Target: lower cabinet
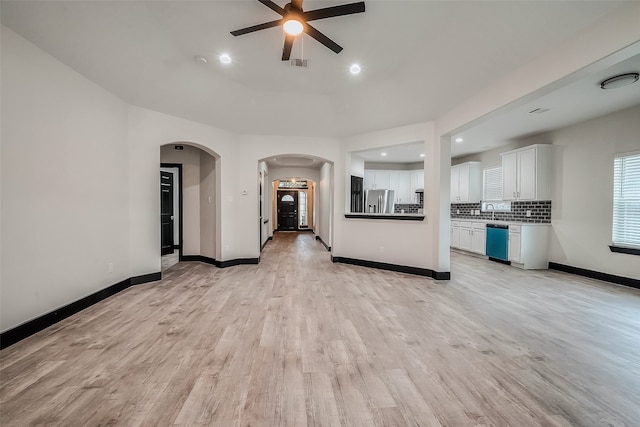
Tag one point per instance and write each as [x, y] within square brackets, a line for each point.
[478, 238]
[465, 236]
[528, 243]
[528, 246]
[455, 234]
[468, 236]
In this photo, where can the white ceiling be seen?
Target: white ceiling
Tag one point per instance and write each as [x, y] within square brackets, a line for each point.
[403, 153]
[419, 58]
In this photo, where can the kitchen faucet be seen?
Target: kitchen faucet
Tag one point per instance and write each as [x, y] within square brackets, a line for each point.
[493, 211]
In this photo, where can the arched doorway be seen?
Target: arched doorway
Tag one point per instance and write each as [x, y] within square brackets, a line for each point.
[190, 224]
[296, 194]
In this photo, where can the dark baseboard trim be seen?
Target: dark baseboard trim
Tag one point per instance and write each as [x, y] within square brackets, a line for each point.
[239, 261]
[265, 243]
[31, 327]
[176, 247]
[146, 278]
[325, 245]
[501, 261]
[198, 258]
[626, 281]
[437, 275]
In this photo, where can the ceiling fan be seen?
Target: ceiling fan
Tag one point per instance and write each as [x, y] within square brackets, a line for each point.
[295, 21]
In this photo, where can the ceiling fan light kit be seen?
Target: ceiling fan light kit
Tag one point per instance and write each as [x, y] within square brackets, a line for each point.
[295, 21]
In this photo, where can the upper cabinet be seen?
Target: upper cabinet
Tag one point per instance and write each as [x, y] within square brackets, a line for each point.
[376, 180]
[525, 173]
[466, 182]
[404, 183]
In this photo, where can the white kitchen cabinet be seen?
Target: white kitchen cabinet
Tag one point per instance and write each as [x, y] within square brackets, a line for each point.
[515, 243]
[376, 180]
[478, 238]
[465, 235]
[403, 189]
[528, 246]
[466, 182]
[526, 173]
[403, 182]
[455, 234]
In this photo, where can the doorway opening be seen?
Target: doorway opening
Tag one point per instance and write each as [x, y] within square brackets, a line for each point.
[171, 216]
[195, 217]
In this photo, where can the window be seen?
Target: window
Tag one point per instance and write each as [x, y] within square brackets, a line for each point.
[626, 203]
[492, 184]
[287, 198]
[302, 206]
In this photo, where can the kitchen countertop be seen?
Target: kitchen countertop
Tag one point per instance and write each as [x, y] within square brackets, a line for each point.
[485, 221]
[394, 216]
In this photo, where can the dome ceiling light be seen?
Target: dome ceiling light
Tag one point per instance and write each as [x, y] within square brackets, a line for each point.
[619, 81]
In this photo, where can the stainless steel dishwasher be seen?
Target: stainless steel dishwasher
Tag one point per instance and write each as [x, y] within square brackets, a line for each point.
[497, 246]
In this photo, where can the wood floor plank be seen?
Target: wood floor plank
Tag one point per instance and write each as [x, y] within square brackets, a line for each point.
[300, 341]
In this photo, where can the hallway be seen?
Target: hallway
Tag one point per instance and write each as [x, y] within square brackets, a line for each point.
[298, 340]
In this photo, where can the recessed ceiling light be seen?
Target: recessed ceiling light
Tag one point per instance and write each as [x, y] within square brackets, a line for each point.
[200, 59]
[225, 58]
[422, 155]
[293, 27]
[355, 69]
[459, 140]
[619, 81]
[383, 154]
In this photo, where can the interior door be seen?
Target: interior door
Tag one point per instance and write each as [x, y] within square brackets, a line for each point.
[287, 210]
[166, 212]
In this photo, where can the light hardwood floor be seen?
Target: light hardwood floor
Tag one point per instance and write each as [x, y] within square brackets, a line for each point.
[299, 341]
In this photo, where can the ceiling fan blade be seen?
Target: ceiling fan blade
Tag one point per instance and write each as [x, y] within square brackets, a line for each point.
[271, 5]
[288, 44]
[322, 38]
[330, 12]
[257, 27]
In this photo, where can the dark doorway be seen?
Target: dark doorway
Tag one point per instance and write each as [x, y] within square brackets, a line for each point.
[173, 238]
[166, 212]
[287, 210]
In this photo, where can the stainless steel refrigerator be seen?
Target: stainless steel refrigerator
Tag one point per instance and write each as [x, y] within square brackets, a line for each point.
[379, 201]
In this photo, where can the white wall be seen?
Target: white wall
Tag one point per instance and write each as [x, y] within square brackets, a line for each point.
[409, 243]
[148, 131]
[207, 205]
[582, 197]
[65, 201]
[325, 204]
[357, 166]
[254, 149]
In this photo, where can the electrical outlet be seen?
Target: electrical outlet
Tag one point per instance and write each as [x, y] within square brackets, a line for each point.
[477, 212]
[110, 268]
[528, 213]
[381, 249]
[457, 211]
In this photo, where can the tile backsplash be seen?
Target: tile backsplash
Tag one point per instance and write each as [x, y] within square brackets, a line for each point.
[410, 207]
[540, 212]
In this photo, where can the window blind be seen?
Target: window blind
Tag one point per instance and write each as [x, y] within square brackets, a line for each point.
[492, 184]
[626, 200]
